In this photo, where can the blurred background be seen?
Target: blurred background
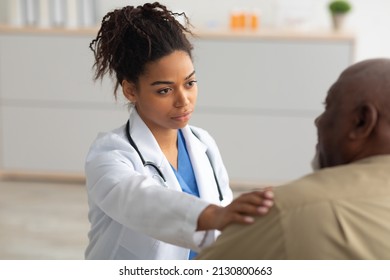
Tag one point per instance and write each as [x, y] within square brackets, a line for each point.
[263, 66]
[367, 19]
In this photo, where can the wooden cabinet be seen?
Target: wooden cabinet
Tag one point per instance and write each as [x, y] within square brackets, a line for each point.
[258, 97]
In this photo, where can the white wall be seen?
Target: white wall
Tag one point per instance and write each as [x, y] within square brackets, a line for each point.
[3, 11]
[369, 20]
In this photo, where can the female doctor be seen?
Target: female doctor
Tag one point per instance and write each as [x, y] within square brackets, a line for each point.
[157, 187]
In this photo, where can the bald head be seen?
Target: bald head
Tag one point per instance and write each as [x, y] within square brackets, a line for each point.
[356, 121]
[369, 79]
[368, 67]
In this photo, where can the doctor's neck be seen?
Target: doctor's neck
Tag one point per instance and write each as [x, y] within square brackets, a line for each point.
[167, 141]
[166, 138]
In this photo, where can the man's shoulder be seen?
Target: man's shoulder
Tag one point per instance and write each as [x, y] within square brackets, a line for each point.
[337, 183]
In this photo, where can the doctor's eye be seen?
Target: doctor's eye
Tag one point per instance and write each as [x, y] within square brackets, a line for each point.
[164, 91]
[190, 84]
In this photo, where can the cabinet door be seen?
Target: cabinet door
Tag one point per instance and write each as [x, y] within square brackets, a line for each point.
[259, 99]
[50, 68]
[50, 109]
[262, 75]
[56, 139]
[262, 149]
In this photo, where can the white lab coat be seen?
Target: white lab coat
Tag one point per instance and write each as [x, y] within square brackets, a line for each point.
[132, 214]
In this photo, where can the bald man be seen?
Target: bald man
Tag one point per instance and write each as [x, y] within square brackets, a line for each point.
[341, 211]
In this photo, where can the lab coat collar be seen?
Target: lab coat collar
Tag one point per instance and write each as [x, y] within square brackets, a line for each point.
[144, 139]
[150, 150]
[202, 166]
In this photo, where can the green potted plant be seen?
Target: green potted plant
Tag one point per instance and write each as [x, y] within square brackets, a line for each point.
[338, 9]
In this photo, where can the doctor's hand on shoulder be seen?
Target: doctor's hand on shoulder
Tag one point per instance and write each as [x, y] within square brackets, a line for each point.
[241, 210]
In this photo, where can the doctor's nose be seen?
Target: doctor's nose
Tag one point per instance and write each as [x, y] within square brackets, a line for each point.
[181, 98]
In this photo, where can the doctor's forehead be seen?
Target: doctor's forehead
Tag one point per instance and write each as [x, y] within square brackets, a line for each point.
[166, 79]
[179, 57]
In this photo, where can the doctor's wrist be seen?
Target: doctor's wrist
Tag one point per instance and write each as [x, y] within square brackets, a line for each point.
[209, 218]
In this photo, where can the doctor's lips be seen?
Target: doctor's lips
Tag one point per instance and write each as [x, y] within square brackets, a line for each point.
[183, 117]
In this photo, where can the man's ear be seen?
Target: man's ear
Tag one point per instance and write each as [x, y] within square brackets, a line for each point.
[129, 91]
[365, 121]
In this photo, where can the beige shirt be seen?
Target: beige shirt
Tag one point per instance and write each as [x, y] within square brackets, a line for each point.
[335, 213]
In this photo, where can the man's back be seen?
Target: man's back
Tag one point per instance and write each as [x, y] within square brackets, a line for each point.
[336, 213]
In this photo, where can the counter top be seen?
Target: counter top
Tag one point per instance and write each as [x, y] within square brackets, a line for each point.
[268, 34]
[31, 30]
[277, 34]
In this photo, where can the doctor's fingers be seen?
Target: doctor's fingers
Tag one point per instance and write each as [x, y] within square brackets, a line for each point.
[258, 198]
[238, 218]
[248, 209]
[251, 204]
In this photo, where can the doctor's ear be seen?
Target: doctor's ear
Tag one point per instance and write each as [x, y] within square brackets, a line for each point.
[129, 91]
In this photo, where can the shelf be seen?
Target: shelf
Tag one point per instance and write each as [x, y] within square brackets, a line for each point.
[278, 34]
[269, 34]
[31, 30]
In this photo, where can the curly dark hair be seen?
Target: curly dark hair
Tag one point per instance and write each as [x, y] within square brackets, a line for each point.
[131, 37]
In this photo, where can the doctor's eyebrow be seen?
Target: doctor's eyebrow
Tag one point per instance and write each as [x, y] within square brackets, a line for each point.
[169, 82]
[190, 75]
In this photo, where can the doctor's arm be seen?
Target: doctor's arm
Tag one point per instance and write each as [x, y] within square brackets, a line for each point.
[241, 210]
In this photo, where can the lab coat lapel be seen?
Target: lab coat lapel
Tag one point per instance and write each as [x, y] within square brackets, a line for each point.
[150, 150]
[201, 165]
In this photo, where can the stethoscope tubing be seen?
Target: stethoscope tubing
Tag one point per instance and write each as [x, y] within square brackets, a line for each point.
[145, 163]
[159, 172]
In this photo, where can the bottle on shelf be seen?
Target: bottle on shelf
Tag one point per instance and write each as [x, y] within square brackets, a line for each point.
[241, 20]
[32, 12]
[237, 19]
[44, 14]
[254, 19]
[88, 13]
[16, 12]
[72, 13]
[58, 13]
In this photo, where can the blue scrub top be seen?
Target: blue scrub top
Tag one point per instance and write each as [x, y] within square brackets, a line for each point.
[185, 173]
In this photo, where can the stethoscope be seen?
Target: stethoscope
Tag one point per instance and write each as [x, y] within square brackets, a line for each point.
[157, 169]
